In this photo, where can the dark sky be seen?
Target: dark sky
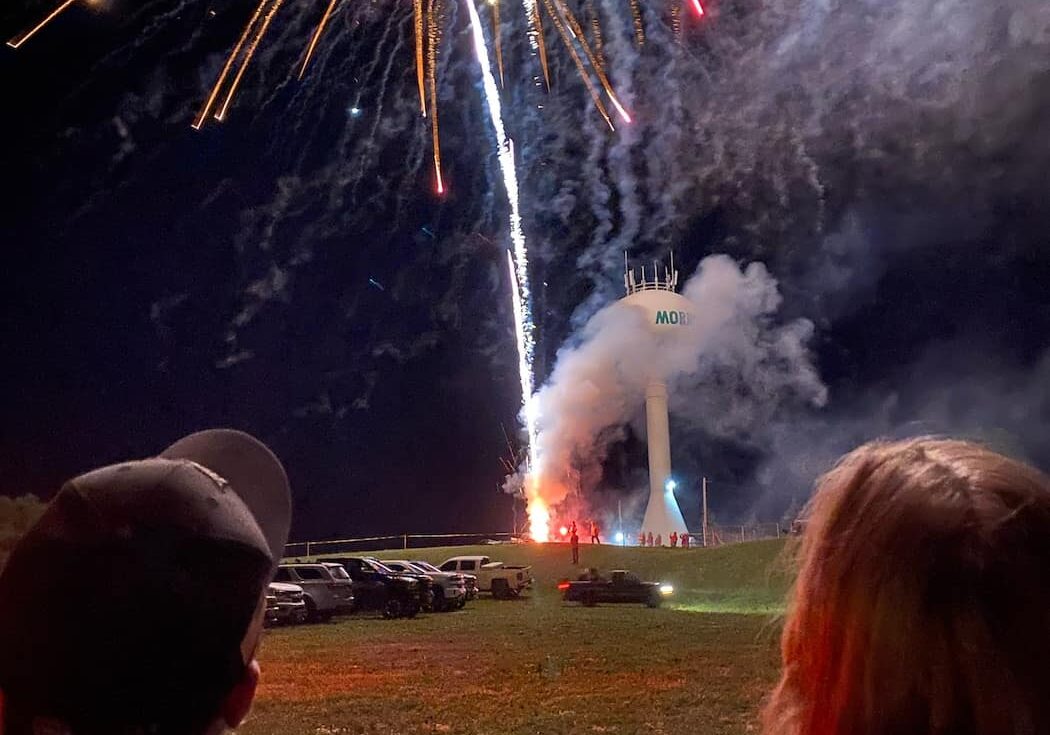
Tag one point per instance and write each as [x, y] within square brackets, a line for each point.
[887, 166]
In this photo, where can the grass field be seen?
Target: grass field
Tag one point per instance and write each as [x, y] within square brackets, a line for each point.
[534, 665]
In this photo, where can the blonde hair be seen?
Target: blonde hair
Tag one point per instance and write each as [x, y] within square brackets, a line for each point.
[922, 603]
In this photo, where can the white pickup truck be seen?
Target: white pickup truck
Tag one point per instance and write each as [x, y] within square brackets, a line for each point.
[502, 580]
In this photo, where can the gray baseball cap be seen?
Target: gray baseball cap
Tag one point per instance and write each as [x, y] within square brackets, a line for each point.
[128, 601]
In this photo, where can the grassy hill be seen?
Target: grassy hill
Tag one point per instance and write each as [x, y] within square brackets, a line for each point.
[749, 577]
[535, 665]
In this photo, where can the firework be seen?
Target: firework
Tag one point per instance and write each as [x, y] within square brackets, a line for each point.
[432, 48]
[553, 13]
[541, 43]
[676, 21]
[229, 65]
[23, 37]
[636, 17]
[417, 11]
[497, 44]
[698, 8]
[519, 261]
[577, 31]
[596, 32]
[221, 114]
[317, 35]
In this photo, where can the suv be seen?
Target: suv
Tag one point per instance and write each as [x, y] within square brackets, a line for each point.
[450, 592]
[379, 588]
[288, 603]
[327, 588]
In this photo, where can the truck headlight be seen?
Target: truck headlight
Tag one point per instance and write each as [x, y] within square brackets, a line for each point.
[666, 589]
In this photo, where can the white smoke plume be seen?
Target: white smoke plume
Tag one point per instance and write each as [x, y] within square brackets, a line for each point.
[731, 367]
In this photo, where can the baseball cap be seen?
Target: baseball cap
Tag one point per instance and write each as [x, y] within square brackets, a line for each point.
[126, 604]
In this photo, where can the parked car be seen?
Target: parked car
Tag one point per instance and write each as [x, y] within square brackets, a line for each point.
[271, 608]
[289, 602]
[621, 586]
[378, 588]
[450, 592]
[502, 580]
[429, 589]
[327, 589]
[470, 581]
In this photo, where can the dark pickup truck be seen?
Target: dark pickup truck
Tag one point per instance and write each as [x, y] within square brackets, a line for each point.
[621, 586]
[379, 588]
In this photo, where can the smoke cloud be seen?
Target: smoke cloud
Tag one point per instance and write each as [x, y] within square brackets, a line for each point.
[732, 368]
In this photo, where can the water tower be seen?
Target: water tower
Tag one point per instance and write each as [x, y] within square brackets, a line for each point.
[666, 312]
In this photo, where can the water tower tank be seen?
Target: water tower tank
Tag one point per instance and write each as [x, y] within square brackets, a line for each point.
[666, 311]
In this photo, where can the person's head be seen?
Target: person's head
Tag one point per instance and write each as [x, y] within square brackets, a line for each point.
[135, 603]
[922, 603]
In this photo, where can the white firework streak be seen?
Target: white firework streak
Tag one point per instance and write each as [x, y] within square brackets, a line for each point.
[520, 262]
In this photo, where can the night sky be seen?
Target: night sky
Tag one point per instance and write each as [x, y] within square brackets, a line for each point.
[290, 272]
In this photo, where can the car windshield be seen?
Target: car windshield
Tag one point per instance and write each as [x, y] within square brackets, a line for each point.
[419, 568]
[379, 566]
[426, 566]
[338, 572]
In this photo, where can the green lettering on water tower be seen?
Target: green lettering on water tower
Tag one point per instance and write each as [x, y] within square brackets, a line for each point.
[661, 317]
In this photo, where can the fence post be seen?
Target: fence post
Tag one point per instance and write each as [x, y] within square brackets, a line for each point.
[741, 534]
[308, 548]
[404, 537]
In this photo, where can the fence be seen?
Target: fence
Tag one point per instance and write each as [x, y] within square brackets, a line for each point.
[719, 535]
[395, 541]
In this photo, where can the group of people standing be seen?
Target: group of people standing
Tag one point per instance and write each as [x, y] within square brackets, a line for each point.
[646, 539]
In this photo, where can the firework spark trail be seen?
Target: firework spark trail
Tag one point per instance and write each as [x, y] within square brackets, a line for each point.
[536, 37]
[432, 46]
[496, 42]
[577, 31]
[229, 65]
[553, 13]
[417, 17]
[639, 28]
[523, 293]
[19, 40]
[221, 115]
[698, 8]
[596, 32]
[676, 21]
[317, 36]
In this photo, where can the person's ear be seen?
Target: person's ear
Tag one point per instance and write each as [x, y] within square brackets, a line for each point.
[238, 702]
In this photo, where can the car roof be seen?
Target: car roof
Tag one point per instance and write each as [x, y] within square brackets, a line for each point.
[303, 564]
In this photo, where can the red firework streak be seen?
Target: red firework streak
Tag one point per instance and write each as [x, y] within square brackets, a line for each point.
[698, 8]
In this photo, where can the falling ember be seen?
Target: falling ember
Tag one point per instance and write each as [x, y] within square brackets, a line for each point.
[496, 39]
[639, 28]
[541, 43]
[221, 115]
[22, 38]
[596, 33]
[698, 8]
[317, 36]
[577, 30]
[432, 47]
[229, 65]
[553, 13]
[417, 14]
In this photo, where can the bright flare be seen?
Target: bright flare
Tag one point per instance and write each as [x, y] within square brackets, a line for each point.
[539, 516]
[19, 40]
[698, 8]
